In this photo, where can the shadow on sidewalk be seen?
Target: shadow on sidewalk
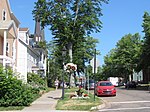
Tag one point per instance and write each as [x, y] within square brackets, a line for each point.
[56, 98]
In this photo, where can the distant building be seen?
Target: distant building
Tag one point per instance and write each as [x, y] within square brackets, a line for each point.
[40, 37]
[138, 77]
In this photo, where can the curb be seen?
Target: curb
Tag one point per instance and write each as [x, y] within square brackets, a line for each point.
[104, 103]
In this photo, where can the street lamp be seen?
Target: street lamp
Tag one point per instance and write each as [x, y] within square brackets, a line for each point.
[63, 55]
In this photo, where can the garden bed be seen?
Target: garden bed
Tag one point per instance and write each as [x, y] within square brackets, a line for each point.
[82, 104]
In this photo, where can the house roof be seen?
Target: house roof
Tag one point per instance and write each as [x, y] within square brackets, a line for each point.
[6, 24]
[23, 29]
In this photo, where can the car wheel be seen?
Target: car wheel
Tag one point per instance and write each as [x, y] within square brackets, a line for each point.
[114, 95]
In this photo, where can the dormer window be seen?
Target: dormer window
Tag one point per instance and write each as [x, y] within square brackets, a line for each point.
[4, 15]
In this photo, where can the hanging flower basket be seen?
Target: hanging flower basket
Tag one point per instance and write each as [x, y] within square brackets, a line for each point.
[70, 67]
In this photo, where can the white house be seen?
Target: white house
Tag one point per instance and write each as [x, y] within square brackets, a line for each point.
[30, 57]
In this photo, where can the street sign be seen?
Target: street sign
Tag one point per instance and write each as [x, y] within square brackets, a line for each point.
[92, 64]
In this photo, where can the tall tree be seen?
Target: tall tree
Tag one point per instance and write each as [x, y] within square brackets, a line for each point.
[70, 20]
[145, 60]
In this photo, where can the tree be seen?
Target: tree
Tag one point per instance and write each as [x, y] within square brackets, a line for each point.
[84, 50]
[70, 21]
[109, 69]
[145, 60]
[124, 58]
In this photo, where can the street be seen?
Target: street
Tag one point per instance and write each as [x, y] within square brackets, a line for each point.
[127, 101]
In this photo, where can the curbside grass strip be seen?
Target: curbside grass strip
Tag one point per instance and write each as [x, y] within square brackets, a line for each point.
[103, 105]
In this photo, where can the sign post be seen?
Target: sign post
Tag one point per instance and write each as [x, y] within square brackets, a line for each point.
[94, 63]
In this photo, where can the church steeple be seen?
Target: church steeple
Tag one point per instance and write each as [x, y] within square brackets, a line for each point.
[39, 32]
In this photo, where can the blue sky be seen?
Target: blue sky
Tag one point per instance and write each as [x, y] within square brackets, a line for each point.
[120, 17]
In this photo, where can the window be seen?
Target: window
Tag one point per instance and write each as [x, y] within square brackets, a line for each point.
[4, 15]
[7, 47]
[36, 39]
[39, 39]
[105, 84]
[27, 38]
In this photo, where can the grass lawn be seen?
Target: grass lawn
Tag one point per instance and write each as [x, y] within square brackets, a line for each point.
[11, 108]
[78, 103]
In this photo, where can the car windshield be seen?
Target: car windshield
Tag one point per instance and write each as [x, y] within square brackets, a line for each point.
[105, 84]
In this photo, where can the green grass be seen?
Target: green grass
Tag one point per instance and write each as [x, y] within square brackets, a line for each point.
[77, 104]
[11, 108]
[51, 89]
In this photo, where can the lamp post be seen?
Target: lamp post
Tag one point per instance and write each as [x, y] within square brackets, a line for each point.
[94, 72]
[63, 55]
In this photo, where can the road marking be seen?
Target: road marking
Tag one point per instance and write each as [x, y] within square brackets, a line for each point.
[124, 109]
[131, 102]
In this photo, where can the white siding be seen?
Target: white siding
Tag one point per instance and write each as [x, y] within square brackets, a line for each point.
[32, 59]
[22, 61]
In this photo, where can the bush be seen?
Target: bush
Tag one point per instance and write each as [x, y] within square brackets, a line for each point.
[13, 92]
[36, 81]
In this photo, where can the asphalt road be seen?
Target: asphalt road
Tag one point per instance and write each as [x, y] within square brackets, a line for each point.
[127, 101]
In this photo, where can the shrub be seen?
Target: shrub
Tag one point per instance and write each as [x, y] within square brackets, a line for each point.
[36, 81]
[13, 92]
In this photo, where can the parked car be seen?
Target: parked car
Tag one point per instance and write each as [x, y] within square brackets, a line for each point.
[121, 84]
[130, 84]
[89, 85]
[105, 88]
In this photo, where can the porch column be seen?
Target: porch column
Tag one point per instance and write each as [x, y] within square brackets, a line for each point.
[14, 54]
[45, 65]
[14, 50]
[42, 58]
[4, 48]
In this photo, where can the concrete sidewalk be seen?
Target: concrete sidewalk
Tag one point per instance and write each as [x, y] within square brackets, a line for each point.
[45, 103]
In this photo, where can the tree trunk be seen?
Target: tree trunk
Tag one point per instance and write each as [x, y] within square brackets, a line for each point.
[70, 51]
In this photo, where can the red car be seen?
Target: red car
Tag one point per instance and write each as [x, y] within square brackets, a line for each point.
[105, 88]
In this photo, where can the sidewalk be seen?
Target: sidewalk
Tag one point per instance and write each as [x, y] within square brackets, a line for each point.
[46, 103]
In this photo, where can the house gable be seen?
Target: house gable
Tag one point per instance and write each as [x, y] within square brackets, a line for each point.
[4, 7]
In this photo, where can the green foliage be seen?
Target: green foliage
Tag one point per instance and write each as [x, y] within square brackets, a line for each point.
[11, 108]
[145, 60]
[84, 52]
[71, 22]
[13, 92]
[36, 81]
[124, 58]
[42, 44]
